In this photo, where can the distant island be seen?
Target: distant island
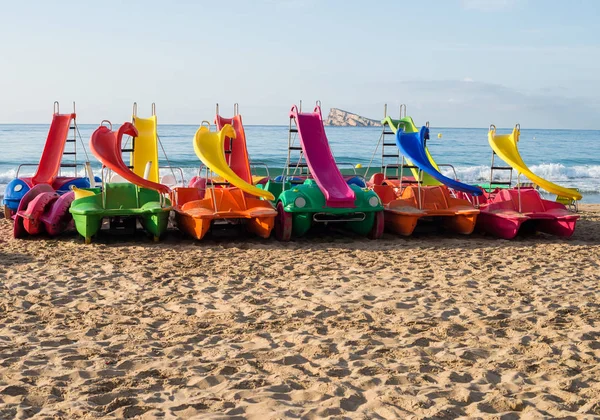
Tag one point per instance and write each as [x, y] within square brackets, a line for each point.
[340, 118]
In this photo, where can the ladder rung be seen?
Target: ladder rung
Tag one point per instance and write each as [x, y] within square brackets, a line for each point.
[396, 156]
[389, 132]
[298, 165]
[500, 183]
[410, 167]
[293, 130]
[219, 183]
[73, 128]
[227, 152]
[126, 150]
[71, 140]
[505, 168]
[68, 165]
[394, 165]
[295, 147]
[389, 144]
[130, 166]
[69, 153]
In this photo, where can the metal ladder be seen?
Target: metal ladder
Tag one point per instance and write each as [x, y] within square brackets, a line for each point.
[131, 148]
[499, 168]
[392, 155]
[70, 140]
[494, 167]
[293, 148]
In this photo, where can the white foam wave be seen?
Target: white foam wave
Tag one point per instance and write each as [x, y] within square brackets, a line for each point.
[550, 171]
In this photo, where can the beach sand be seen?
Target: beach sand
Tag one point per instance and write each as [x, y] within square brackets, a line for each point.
[431, 326]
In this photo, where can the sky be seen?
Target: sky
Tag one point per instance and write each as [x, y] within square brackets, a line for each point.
[455, 63]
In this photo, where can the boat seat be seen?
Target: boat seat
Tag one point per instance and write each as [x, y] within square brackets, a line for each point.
[169, 180]
[117, 178]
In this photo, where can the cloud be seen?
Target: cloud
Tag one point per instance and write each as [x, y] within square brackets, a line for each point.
[488, 5]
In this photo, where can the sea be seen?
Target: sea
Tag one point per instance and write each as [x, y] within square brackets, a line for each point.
[567, 157]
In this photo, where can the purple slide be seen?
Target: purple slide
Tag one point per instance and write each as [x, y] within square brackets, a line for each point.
[320, 159]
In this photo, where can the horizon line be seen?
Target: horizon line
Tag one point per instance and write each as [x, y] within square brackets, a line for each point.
[337, 126]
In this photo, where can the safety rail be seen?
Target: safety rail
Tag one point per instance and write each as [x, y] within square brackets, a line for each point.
[260, 164]
[447, 165]
[351, 165]
[172, 169]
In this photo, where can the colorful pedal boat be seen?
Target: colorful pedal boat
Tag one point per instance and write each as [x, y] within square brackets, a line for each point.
[42, 209]
[196, 210]
[120, 200]
[198, 207]
[402, 209]
[505, 214]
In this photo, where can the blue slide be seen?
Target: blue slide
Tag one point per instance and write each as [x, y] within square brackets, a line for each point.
[412, 146]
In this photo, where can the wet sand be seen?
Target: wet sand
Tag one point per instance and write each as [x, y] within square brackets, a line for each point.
[432, 326]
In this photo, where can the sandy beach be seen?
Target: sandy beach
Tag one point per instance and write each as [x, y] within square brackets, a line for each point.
[431, 326]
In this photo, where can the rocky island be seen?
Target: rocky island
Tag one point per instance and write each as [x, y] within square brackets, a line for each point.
[341, 118]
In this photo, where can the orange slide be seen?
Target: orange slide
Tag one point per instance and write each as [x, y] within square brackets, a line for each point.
[53, 150]
[237, 151]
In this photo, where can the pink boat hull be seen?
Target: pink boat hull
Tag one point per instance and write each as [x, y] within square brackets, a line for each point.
[505, 224]
[501, 217]
[42, 209]
[57, 218]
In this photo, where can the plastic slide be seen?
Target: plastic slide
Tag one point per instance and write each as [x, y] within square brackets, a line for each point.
[209, 147]
[146, 147]
[408, 125]
[107, 149]
[505, 146]
[238, 162]
[320, 160]
[53, 150]
[412, 145]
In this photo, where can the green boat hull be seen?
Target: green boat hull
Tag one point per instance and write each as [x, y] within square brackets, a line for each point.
[120, 200]
[359, 219]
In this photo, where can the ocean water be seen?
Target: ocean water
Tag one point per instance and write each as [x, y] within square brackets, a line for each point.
[568, 157]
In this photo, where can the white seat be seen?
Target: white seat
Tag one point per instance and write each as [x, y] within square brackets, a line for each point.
[168, 180]
[117, 178]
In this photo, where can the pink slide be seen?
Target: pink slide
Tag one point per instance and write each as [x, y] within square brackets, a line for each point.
[107, 148]
[53, 150]
[320, 160]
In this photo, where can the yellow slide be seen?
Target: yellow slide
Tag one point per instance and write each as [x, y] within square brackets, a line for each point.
[505, 146]
[209, 147]
[145, 147]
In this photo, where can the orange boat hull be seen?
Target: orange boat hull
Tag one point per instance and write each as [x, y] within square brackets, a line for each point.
[402, 209]
[194, 215]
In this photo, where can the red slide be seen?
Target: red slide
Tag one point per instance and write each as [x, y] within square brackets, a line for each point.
[239, 162]
[53, 150]
[106, 146]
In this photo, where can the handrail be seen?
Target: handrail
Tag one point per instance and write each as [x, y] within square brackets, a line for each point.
[172, 168]
[260, 164]
[347, 164]
[402, 107]
[441, 165]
